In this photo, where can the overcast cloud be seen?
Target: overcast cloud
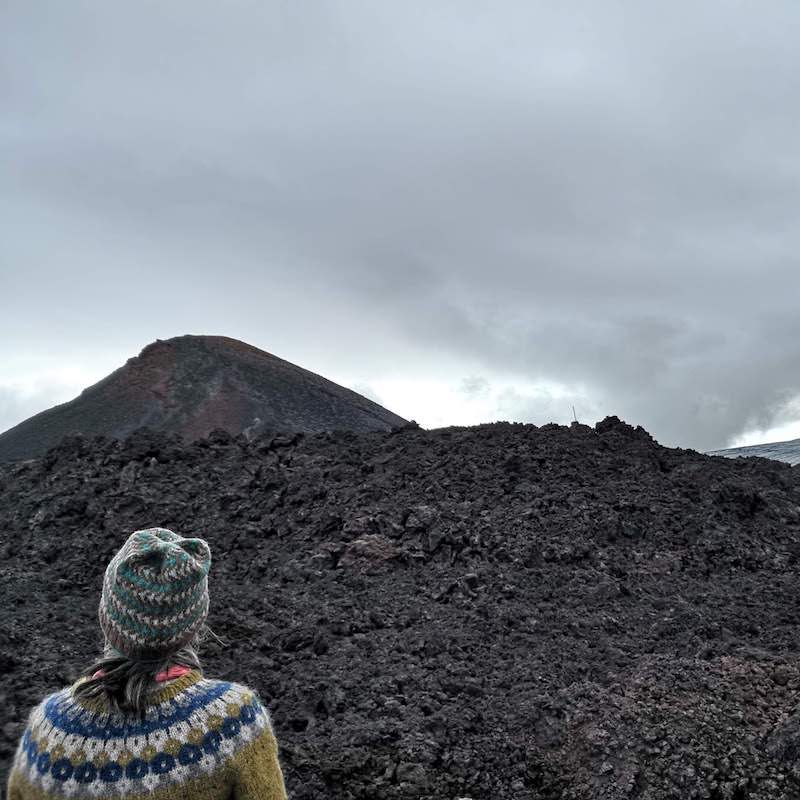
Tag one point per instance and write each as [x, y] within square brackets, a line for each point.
[470, 210]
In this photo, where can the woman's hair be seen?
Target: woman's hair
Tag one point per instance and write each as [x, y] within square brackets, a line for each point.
[126, 683]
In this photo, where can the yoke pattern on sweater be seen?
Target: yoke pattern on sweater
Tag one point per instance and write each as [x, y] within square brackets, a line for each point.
[199, 738]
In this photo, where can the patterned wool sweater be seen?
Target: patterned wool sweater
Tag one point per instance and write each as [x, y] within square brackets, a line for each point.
[200, 738]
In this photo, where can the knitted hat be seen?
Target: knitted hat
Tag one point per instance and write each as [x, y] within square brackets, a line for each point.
[155, 593]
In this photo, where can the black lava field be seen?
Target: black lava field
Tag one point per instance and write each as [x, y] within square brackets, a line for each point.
[495, 612]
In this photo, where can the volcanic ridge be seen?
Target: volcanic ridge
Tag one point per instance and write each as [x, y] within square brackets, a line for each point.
[780, 451]
[499, 611]
[191, 385]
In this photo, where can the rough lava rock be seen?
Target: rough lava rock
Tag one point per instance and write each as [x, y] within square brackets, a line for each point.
[499, 611]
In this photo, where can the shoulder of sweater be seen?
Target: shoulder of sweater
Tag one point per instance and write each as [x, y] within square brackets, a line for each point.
[40, 708]
[238, 693]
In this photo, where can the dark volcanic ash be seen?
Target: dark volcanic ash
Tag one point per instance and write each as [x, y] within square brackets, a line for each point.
[501, 611]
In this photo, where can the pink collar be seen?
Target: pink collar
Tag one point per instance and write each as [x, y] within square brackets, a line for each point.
[175, 671]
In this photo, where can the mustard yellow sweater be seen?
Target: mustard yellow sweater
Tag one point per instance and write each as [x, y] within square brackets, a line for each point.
[201, 739]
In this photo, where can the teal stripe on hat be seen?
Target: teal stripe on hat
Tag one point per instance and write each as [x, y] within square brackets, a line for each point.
[157, 607]
[155, 632]
[159, 587]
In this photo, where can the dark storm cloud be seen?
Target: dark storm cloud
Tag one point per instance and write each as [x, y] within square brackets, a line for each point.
[593, 194]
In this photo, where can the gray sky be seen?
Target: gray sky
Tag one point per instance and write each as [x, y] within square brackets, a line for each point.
[468, 210]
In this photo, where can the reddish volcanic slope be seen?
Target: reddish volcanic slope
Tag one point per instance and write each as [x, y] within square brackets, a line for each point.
[191, 385]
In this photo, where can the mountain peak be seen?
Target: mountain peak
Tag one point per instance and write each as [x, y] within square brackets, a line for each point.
[191, 385]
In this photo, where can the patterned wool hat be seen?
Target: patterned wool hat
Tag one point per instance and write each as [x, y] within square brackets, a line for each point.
[155, 593]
